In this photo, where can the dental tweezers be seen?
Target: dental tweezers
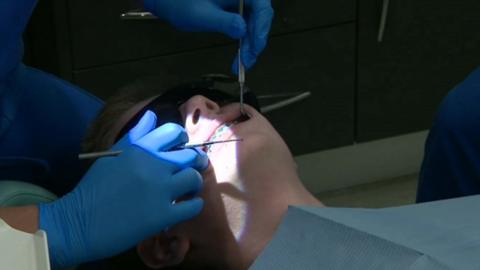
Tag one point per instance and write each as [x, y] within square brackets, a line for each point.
[117, 153]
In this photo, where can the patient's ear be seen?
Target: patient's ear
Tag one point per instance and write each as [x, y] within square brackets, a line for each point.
[163, 250]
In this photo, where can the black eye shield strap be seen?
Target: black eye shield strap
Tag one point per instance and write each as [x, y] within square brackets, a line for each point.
[166, 105]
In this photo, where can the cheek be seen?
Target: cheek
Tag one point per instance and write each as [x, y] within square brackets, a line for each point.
[211, 223]
[265, 153]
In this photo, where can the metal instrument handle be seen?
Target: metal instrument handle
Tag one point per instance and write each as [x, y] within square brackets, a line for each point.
[284, 103]
[138, 15]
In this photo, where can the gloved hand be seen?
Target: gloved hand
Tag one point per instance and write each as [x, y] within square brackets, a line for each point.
[221, 16]
[123, 200]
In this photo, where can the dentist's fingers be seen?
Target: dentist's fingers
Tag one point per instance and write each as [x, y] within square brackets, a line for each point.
[144, 126]
[186, 182]
[206, 16]
[186, 210]
[164, 138]
[260, 21]
[194, 158]
[212, 18]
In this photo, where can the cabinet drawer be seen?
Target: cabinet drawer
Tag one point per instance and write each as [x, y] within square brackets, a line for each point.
[320, 61]
[429, 46]
[99, 37]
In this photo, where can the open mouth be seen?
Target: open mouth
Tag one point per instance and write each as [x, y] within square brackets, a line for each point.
[220, 131]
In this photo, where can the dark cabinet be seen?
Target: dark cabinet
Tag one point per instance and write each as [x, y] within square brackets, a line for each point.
[100, 37]
[427, 48]
[322, 62]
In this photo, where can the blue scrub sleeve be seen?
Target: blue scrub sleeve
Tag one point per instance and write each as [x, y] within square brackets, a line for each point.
[451, 166]
[45, 121]
[42, 118]
[14, 16]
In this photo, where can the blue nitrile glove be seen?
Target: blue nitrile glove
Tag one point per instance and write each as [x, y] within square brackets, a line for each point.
[123, 200]
[221, 16]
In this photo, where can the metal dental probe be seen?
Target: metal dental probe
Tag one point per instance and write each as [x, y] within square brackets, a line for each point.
[241, 67]
[206, 144]
[117, 153]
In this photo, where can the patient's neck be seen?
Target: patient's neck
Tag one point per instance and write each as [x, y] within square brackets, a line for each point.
[255, 217]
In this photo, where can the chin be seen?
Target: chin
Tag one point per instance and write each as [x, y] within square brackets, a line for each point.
[224, 163]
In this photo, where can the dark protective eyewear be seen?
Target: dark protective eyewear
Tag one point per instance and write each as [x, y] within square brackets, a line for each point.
[166, 106]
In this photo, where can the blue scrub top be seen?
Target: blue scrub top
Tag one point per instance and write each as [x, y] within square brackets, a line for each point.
[42, 118]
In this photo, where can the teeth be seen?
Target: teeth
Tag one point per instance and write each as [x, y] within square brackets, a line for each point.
[218, 133]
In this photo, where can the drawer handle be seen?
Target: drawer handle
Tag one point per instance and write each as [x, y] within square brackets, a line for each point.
[383, 20]
[137, 15]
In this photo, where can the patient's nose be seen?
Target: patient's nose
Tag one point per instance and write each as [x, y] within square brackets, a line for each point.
[198, 108]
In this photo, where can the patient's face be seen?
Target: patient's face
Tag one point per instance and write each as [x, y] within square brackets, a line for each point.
[257, 156]
[240, 175]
